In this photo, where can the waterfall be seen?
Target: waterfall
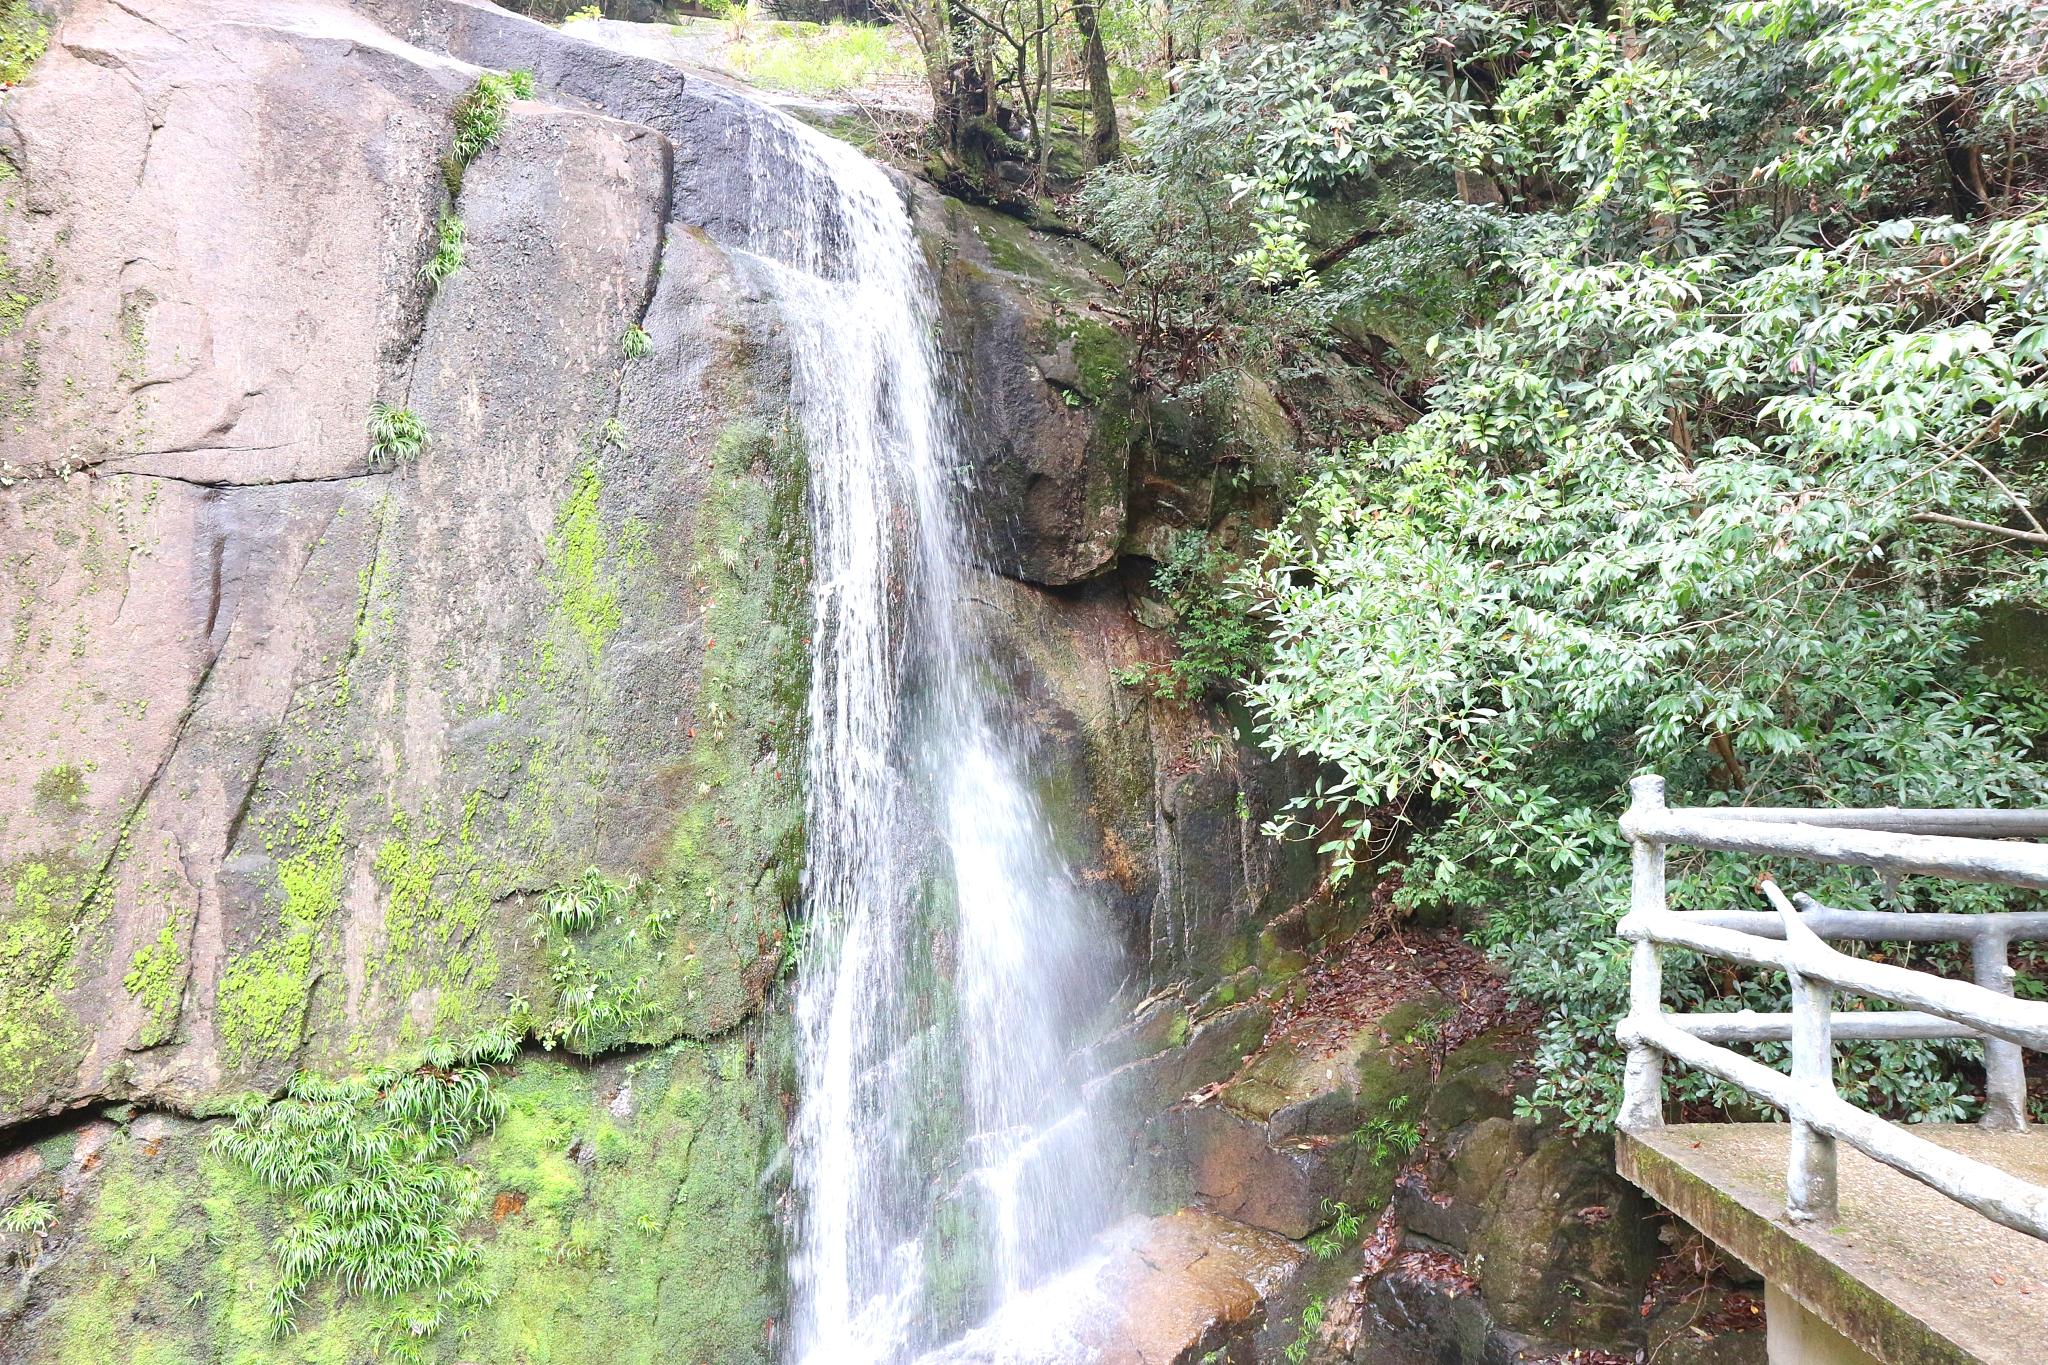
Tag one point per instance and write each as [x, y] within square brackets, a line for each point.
[943, 1159]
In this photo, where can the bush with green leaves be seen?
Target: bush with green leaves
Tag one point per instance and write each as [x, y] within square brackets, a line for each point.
[1217, 643]
[396, 436]
[1726, 335]
[367, 1164]
[636, 342]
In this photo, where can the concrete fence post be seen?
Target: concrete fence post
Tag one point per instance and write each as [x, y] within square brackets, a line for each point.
[1642, 1086]
[2005, 1071]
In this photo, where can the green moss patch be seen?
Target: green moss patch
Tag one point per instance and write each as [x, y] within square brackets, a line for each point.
[615, 1216]
[586, 593]
[48, 906]
[261, 1003]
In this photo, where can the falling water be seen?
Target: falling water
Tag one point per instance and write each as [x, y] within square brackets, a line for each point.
[944, 1162]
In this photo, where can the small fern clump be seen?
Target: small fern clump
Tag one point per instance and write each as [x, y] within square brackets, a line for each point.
[450, 247]
[637, 343]
[594, 1007]
[28, 1217]
[583, 902]
[395, 436]
[366, 1161]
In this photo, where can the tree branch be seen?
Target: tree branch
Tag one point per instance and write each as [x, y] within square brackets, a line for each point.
[1965, 524]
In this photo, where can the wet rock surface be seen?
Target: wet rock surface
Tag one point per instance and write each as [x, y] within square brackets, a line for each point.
[1163, 1291]
[1365, 1110]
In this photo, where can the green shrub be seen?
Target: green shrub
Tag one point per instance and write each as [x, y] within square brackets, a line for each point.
[636, 342]
[1217, 642]
[1717, 435]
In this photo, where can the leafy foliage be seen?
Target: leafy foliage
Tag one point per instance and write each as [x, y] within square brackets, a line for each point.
[24, 34]
[636, 342]
[1725, 333]
[817, 59]
[480, 114]
[1218, 642]
[592, 1005]
[367, 1163]
[584, 902]
[28, 1217]
[451, 246]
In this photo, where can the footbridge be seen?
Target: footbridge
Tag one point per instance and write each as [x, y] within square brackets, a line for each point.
[1909, 1244]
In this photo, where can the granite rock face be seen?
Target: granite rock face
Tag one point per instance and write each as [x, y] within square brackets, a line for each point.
[295, 737]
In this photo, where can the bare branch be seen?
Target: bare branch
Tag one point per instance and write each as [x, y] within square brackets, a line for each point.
[1965, 524]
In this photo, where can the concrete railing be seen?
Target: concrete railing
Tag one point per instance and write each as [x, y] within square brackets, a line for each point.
[1958, 845]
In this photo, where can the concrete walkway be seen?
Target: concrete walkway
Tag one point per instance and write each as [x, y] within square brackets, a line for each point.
[1907, 1275]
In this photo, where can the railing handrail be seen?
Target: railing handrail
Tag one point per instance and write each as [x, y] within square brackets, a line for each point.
[1955, 845]
[1928, 855]
[1881, 926]
[1966, 823]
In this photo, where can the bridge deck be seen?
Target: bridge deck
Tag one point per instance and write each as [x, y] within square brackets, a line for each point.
[1906, 1274]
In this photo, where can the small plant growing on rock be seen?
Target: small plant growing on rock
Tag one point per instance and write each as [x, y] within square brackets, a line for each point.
[1389, 1136]
[636, 342]
[480, 116]
[584, 902]
[367, 1161]
[395, 436]
[1219, 641]
[28, 1217]
[450, 247]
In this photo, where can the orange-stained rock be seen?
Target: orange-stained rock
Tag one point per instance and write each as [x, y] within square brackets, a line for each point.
[1162, 1291]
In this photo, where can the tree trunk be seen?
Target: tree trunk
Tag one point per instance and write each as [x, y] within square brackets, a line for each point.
[1967, 187]
[1108, 144]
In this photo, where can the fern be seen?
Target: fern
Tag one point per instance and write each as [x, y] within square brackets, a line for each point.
[28, 1217]
[366, 1161]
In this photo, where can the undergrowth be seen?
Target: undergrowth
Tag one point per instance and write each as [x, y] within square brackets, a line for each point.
[1217, 642]
[818, 59]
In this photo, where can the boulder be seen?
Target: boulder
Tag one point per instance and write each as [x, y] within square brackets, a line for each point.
[1172, 1290]
[1567, 1246]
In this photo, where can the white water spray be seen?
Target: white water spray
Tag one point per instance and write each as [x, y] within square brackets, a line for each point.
[944, 1162]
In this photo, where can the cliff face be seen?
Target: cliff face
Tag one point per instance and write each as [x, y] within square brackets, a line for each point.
[296, 744]
[300, 737]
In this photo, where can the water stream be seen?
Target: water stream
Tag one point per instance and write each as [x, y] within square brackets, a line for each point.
[944, 1161]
